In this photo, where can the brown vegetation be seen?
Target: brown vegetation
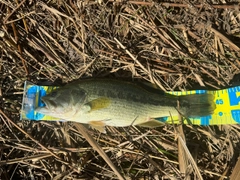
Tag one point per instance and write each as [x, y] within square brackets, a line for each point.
[177, 45]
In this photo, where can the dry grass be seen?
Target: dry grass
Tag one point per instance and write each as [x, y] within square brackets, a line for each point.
[176, 45]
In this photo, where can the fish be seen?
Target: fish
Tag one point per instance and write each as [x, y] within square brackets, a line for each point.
[108, 102]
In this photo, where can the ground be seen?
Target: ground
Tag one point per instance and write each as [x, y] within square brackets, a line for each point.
[177, 45]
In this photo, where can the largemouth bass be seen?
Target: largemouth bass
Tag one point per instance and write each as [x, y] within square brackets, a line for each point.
[117, 103]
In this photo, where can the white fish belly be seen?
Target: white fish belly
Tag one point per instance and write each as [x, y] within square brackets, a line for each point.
[122, 114]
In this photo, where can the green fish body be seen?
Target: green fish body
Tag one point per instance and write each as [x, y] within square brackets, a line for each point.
[117, 103]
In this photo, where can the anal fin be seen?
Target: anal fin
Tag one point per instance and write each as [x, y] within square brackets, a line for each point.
[151, 123]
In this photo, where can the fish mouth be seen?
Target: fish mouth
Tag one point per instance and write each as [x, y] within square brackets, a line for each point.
[49, 106]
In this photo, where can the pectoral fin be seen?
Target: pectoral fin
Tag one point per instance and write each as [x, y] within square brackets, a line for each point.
[98, 125]
[99, 103]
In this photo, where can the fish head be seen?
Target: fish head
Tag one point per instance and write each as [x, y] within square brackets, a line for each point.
[63, 102]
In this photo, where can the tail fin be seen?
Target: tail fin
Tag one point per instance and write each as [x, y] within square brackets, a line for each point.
[197, 104]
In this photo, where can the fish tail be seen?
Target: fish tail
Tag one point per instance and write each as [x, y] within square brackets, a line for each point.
[197, 105]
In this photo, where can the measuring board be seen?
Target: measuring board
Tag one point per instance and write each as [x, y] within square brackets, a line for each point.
[227, 105]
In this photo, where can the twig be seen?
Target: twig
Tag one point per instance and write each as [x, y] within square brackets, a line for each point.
[12, 12]
[236, 173]
[34, 140]
[128, 52]
[16, 37]
[95, 146]
[190, 158]
[224, 38]
[216, 6]
[17, 160]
